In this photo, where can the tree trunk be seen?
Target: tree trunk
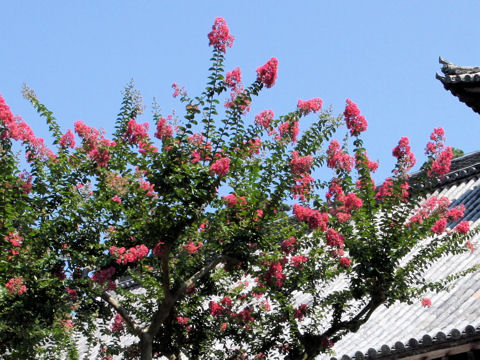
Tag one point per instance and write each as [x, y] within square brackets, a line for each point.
[146, 347]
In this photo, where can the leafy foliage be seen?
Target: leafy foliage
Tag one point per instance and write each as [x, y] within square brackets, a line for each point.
[200, 218]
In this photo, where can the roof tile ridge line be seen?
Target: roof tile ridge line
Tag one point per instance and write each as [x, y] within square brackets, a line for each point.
[468, 171]
[426, 341]
[449, 68]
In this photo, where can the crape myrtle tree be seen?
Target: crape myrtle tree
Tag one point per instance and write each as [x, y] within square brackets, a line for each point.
[237, 251]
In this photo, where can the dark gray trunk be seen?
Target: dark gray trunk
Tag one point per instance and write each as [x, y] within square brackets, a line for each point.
[146, 347]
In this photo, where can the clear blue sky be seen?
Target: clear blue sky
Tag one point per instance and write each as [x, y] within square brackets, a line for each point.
[382, 54]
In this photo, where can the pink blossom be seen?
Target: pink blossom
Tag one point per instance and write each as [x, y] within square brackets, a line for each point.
[275, 274]
[157, 250]
[288, 245]
[308, 106]
[118, 323]
[300, 312]
[344, 261]
[301, 164]
[136, 132]
[456, 213]
[337, 159]
[177, 90]
[220, 167]
[406, 159]
[441, 165]
[216, 309]
[264, 118]
[15, 286]
[164, 131]
[356, 123]
[267, 74]
[117, 199]
[426, 302]
[183, 320]
[314, 218]
[298, 261]
[334, 239]
[470, 246]
[440, 226]
[463, 227]
[192, 248]
[220, 35]
[68, 139]
[14, 238]
[102, 276]
[233, 78]
[290, 130]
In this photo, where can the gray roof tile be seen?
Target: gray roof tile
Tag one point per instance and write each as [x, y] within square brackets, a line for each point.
[452, 313]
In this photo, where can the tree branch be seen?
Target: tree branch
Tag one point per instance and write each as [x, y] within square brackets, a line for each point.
[121, 310]
[164, 308]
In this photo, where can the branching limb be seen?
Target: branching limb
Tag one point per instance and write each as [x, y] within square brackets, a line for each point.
[122, 311]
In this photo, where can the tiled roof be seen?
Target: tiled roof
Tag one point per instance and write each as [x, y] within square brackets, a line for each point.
[403, 329]
[463, 82]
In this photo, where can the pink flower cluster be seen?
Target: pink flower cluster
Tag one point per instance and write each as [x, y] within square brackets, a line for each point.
[136, 132]
[193, 247]
[102, 276]
[440, 226]
[344, 262]
[116, 199]
[220, 36]
[275, 274]
[442, 155]
[164, 130]
[334, 239]
[14, 238]
[289, 130]
[356, 123]
[337, 159]
[15, 286]
[301, 164]
[406, 159]
[265, 119]
[300, 312]
[232, 200]
[148, 187]
[67, 139]
[118, 323]
[177, 90]
[426, 302]
[314, 218]
[267, 73]
[308, 106]
[129, 256]
[220, 167]
[298, 261]
[94, 142]
[289, 245]
[362, 161]
[243, 102]
[204, 148]
[462, 228]
[233, 79]
[17, 129]
[181, 320]
[344, 203]
[387, 190]
[224, 307]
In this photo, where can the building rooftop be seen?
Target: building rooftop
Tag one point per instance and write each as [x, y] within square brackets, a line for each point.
[410, 330]
[463, 82]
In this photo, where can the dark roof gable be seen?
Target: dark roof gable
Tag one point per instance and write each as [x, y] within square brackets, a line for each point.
[463, 82]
